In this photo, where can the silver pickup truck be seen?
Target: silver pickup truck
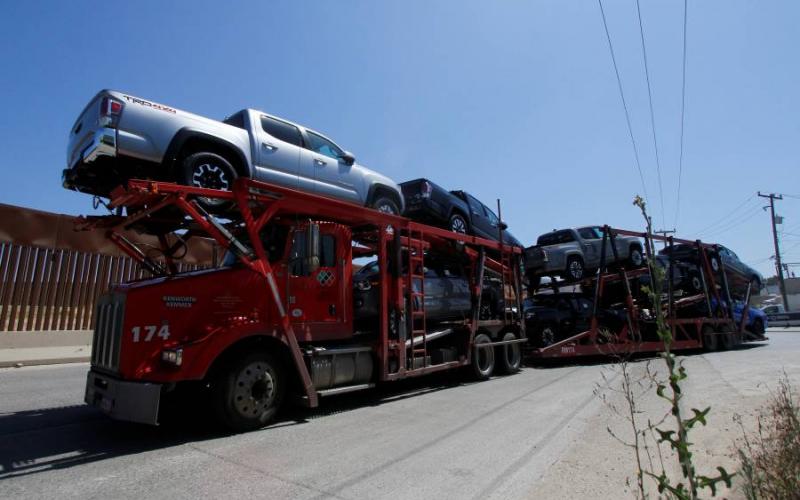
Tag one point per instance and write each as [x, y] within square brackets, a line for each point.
[118, 137]
[569, 253]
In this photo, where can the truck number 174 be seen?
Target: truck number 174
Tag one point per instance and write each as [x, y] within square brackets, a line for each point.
[149, 332]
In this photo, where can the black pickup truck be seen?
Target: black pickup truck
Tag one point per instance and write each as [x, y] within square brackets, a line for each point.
[455, 210]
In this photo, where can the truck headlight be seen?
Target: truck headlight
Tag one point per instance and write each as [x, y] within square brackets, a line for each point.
[172, 356]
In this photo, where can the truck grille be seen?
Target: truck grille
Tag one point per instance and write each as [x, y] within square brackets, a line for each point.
[108, 331]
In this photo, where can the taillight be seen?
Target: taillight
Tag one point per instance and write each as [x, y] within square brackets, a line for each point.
[426, 189]
[110, 106]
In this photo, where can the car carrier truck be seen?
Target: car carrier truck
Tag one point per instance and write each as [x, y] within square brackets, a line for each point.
[275, 318]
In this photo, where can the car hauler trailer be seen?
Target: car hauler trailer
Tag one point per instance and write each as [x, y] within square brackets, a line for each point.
[705, 319]
[277, 317]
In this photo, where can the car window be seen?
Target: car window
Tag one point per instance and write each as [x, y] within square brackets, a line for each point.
[493, 219]
[237, 120]
[281, 130]
[598, 231]
[587, 233]
[475, 205]
[556, 238]
[323, 146]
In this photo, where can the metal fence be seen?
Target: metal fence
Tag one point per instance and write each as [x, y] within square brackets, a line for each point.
[51, 276]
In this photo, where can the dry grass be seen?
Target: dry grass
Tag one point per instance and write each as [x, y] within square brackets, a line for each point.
[770, 456]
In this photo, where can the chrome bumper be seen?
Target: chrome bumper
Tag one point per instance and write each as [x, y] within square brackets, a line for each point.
[103, 143]
[121, 400]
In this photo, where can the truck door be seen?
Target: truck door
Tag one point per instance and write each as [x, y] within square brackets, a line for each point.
[481, 225]
[317, 301]
[322, 167]
[590, 245]
[277, 156]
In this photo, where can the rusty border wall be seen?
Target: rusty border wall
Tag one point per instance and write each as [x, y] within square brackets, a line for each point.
[52, 274]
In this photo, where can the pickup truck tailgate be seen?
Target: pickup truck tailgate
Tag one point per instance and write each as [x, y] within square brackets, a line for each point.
[83, 130]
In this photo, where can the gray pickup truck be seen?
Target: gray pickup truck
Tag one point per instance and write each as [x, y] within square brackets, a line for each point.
[118, 137]
[570, 253]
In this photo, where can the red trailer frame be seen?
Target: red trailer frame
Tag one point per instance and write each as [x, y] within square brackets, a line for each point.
[173, 213]
[687, 332]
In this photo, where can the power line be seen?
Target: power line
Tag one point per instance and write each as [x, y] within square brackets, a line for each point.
[624, 103]
[683, 115]
[737, 222]
[745, 202]
[652, 113]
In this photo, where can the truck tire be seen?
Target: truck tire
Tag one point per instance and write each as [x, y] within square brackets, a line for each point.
[695, 282]
[575, 270]
[727, 341]
[548, 335]
[385, 204]
[635, 256]
[248, 391]
[208, 170]
[482, 358]
[458, 224]
[509, 355]
[709, 339]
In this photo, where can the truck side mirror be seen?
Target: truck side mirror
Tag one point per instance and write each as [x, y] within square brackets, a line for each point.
[348, 158]
[503, 225]
[312, 247]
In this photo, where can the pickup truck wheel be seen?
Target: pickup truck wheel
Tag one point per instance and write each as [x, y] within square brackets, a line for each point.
[386, 205]
[575, 270]
[458, 224]
[547, 336]
[210, 171]
[714, 261]
[509, 355]
[635, 257]
[696, 283]
[482, 358]
[248, 392]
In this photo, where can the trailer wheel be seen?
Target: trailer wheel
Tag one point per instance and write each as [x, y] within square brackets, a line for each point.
[509, 355]
[482, 357]
[727, 341]
[248, 392]
[709, 339]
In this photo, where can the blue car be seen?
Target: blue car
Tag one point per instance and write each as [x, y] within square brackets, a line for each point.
[756, 318]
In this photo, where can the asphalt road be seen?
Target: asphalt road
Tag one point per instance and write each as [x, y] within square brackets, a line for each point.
[441, 437]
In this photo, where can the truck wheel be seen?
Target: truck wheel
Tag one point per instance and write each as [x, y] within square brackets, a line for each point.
[249, 391]
[709, 339]
[635, 257]
[211, 171]
[458, 224]
[482, 358]
[386, 205]
[575, 270]
[714, 261]
[727, 341]
[696, 283]
[509, 355]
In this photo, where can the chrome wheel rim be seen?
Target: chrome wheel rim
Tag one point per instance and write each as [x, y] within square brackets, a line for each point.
[210, 176]
[457, 225]
[548, 336]
[254, 390]
[575, 269]
[636, 258]
[387, 209]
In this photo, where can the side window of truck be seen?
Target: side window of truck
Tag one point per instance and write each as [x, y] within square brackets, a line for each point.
[475, 205]
[281, 130]
[323, 146]
[587, 233]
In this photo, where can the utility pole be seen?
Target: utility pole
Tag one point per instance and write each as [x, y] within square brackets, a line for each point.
[772, 197]
[664, 233]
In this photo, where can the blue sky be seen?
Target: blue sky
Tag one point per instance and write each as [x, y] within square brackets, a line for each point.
[508, 99]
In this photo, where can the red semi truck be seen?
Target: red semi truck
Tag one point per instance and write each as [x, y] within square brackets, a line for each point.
[276, 318]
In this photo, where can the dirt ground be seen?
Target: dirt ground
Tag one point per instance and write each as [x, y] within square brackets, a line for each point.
[738, 382]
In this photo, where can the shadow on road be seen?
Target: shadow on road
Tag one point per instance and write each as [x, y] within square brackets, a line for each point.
[59, 438]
